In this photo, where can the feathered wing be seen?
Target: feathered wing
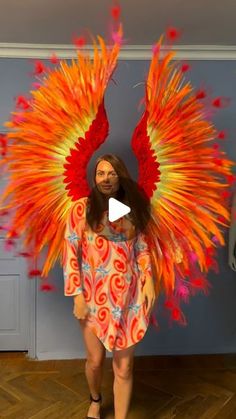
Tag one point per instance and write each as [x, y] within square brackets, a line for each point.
[184, 177]
[49, 145]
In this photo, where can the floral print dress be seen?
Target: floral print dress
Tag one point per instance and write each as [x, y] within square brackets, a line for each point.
[110, 271]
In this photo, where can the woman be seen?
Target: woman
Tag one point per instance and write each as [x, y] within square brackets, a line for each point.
[109, 300]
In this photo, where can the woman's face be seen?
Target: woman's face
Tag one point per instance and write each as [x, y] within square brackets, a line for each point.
[106, 178]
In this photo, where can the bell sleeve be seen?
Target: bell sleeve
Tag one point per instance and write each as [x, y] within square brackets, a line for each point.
[71, 249]
[143, 258]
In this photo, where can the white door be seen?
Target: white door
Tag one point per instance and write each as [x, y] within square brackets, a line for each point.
[15, 299]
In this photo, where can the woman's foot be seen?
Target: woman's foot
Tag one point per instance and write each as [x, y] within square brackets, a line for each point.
[94, 408]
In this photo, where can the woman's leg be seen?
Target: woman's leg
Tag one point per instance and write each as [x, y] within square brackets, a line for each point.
[96, 354]
[123, 382]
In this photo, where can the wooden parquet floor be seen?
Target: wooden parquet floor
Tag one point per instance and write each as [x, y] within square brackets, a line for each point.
[165, 387]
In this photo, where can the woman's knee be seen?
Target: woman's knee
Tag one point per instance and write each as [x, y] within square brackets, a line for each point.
[122, 371]
[95, 350]
[123, 366]
[95, 361]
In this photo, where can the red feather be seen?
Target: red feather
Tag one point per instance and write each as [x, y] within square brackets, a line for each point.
[222, 135]
[98, 130]
[116, 37]
[34, 272]
[22, 102]
[13, 234]
[220, 102]
[176, 314]
[79, 41]
[39, 68]
[200, 283]
[185, 67]
[231, 179]
[36, 85]
[24, 254]
[17, 119]
[54, 59]
[226, 194]
[218, 162]
[9, 244]
[115, 12]
[47, 287]
[201, 94]
[156, 48]
[172, 33]
[168, 304]
[3, 142]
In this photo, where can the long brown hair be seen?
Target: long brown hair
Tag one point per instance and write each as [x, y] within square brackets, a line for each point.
[129, 193]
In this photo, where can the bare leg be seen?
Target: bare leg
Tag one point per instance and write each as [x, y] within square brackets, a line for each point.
[96, 354]
[123, 381]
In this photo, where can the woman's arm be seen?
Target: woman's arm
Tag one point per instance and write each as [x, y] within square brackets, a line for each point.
[72, 243]
[232, 236]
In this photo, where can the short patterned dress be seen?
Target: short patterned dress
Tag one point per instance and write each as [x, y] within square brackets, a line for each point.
[110, 272]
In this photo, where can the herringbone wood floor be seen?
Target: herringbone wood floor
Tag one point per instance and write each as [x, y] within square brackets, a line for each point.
[165, 387]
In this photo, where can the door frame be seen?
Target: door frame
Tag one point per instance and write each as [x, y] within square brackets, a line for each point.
[32, 320]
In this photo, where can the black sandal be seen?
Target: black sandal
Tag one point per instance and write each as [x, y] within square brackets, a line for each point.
[94, 400]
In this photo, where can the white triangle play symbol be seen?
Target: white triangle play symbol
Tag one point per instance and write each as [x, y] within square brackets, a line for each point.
[116, 209]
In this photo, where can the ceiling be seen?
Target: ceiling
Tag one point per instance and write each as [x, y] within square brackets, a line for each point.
[203, 22]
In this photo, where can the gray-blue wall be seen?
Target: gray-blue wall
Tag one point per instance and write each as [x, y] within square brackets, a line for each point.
[211, 320]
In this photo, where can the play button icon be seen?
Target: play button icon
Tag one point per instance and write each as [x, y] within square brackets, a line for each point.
[117, 215]
[116, 209]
